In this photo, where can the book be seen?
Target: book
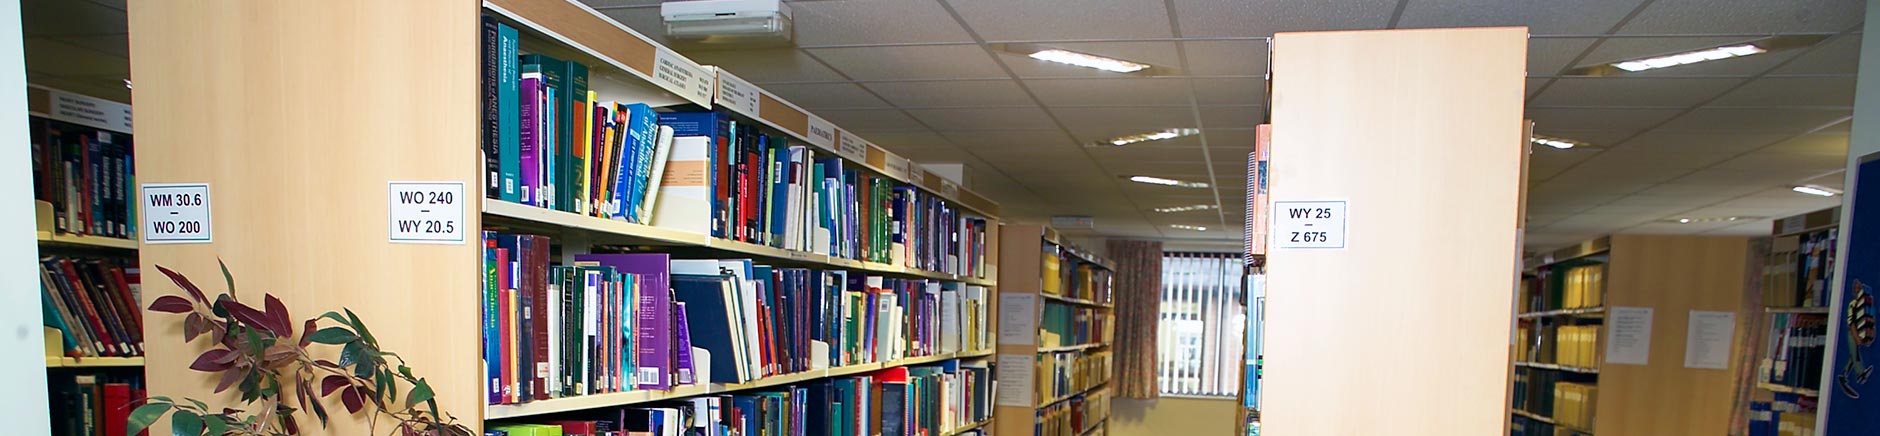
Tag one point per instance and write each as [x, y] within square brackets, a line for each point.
[508, 91]
[654, 330]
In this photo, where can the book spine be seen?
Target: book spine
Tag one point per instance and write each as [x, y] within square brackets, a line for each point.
[538, 288]
[683, 342]
[531, 138]
[509, 122]
[492, 338]
[645, 134]
[492, 130]
[573, 97]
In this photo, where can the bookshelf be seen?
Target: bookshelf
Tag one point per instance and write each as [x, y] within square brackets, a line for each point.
[1789, 337]
[1569, 304]
[1064, 339]
[277, 183]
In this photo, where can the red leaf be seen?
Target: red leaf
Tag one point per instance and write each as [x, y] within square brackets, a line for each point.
[353, 399]
[171, 304]
[229, 378]
[194, 326]
[307, 330]
[331, 382]
[288, 423]
[183, 282]
[277, 315]
[250, 316]
[302, 391]
[210, 361]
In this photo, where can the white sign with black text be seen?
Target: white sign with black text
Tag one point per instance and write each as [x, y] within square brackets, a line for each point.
[1309, 224]
[176, 213]
[426, 212]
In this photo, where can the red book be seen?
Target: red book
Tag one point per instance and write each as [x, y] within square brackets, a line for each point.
[122, 289]
[91, 312]
[138, 395]
[538, 289]
[117, 413]
[722, 188]
[577, 428]
[505, 318]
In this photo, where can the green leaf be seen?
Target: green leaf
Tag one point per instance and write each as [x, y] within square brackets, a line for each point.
[420, 392]
[361, 327]
[199, 404]
[349, 355]
[333, 336]
[215, 424]
[226, 276]
[336, 317]
[145, 415]
[406, 370]
[185, 423]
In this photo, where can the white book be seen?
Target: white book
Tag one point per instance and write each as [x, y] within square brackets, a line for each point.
[551, 370]
[591, 321]
[950, 319]
[685, 190]
[662, 151]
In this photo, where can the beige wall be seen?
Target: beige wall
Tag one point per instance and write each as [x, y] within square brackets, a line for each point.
[1173, 416]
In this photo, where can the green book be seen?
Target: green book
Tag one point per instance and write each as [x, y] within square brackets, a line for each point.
[530, 429]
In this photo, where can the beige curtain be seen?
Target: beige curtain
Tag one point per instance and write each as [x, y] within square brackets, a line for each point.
[1138, 291]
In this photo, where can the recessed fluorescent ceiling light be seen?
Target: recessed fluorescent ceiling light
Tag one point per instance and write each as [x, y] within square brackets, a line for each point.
[1189, 227]
[1817, 190]
[1713, 219]
[1691, 57]
[1562, 144]
[1185, 208]
[1166, 182]
[1151, 136]
[1088, 61]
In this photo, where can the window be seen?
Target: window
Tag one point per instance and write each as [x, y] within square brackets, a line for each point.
[1202, 325]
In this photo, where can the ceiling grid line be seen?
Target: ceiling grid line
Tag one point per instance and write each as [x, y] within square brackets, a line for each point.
[970, 32]
[1194, 110]
[1642, 6]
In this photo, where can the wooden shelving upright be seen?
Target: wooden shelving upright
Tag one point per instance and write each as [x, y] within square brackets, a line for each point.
[296, 145]
[1022, 265]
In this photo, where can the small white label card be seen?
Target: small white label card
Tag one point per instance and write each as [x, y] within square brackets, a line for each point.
[681, 76]
[426, 212]
[1309, 224]
[1018, 318]
[1707, 340]
[822, 133]
[737, 94]
[1629, 336]
[176, 213]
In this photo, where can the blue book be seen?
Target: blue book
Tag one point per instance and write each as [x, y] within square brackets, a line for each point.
[747, 407]
[777, 210]
[713, 321]
[508, 106]
[717, 127]
[635, 162]
[492, 345]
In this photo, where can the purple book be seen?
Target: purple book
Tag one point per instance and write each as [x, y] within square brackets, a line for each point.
[683, 341]
[653, 328]
[531, 126]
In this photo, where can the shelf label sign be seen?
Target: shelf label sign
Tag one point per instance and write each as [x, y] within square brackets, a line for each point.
[1318, 224]
[89, 111]
[738, 95]
[426, 212]
[822, 134]
[852, 147]
[177, 213]
[683, 77]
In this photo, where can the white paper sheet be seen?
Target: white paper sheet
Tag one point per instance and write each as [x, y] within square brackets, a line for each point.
[1018, 319]
[1707, 341]
[1016, 370]
[1629, 336]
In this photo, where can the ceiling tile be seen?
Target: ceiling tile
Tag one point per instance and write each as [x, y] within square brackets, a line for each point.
[1678, 142]
[1570, 17]
[952, 93]
[1608, 119]
[71, 18]
[983, 118]
[1831, 144]
[1681, 201]
[1838, 55]
[1631, 91]
[1232, 116]
[826, 95]
[1054, 140]
[772, 65]
[1057, 20]
[1240, 18]
[1652, 163]
[910, 62]
[1161, 54]
[1791, 121]
[1598, 138]
[1792, 91]
[1813, 164]
[1550, 56]
[50, 56]
[1745, 17]
[1707, 188]
[1216, 91]
[1109, 92]
[1764, 177]
[910, 139]
[866, 121]
[1619, 49]
[1226, 57]
[118, 45]
[838, 22]
[1093, 123]
[645, 21]
[1535, 86]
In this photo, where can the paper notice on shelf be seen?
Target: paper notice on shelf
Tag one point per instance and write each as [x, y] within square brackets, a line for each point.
[738, 95]
[1018, 319]
[1707, 340]
[1016, 370]
[822, 134]
[852, 147]
[683, 77]
[89, 111]
[1629, 339]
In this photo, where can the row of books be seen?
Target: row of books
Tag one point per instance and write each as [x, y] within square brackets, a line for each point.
[1065, 374]
[626, 321]
[1063, 325]
[550, 141]
[1785, 415]
[1565, 286]
[88, 175]
[1524, 426]
[1794, 350]
[1799, 269]
[904, 401]
[93, 404]
[1076, 417]
[1078, 279]
[1574, 404]
[1534, 389]
[1576, 346]
[94, 305]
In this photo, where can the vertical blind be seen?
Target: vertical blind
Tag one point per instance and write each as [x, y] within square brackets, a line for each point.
[1202, 325]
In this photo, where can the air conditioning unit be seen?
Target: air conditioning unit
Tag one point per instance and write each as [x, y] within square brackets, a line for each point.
[741, 23]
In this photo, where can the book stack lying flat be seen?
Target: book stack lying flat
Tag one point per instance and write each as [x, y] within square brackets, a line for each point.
[94, 304]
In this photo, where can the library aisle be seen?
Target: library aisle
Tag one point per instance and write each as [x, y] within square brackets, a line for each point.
[939, 218]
